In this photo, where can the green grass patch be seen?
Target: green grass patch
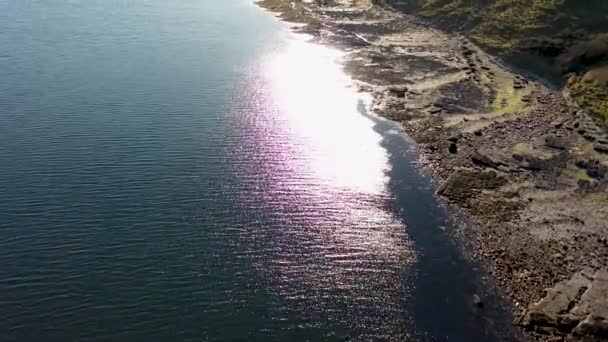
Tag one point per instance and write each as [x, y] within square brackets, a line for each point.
[591, 95]
[584, 176]
[506, 100]
[523, 149]
[505, 24]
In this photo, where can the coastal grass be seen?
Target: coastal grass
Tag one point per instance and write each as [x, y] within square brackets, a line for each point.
[574, 31]
[591, 94]
[506, 100]
[523, 149]
[507, 24]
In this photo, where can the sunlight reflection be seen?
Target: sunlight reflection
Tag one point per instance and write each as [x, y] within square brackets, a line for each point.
[319, 174]
[318, 100]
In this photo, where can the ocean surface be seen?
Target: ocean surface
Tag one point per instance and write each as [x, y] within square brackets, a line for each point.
[192, 171]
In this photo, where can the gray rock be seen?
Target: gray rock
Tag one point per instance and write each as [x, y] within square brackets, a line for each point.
[398, 91]
[558, 256]
[455, 137]
[593, 307]
[558, 123]
[477, 301]
[487, 159]
[578, 306]
[530, 162]
[556, 142]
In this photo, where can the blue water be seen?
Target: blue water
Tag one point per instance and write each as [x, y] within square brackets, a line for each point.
[191, 171]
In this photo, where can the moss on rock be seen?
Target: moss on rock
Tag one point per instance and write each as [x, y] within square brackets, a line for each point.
[591, 94]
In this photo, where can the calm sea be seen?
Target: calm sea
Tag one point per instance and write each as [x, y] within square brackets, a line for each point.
[191, 171]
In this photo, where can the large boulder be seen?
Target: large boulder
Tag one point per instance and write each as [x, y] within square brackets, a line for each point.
[486, 158]
[578, 306]
[464, 184]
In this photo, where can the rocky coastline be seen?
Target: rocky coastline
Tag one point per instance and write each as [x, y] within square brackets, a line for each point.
[525, 165]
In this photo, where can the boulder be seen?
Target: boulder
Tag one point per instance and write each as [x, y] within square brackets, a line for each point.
[455, 137]
[556, 142]
[577, 306]
[487, 159]
[477, 301]
[593, 308]
[398, 91]
[530, 162]
[464, 184]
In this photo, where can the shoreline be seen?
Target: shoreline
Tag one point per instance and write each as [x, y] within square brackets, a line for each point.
[523, 164]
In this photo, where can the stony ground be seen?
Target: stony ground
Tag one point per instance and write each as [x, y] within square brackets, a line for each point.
[522, 161]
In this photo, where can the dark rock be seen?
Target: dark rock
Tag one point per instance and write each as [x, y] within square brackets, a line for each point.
[534, 160]
[398, 91]
[556, 142]
[595, 169]
[435, 110]
[463, 184]
[602, 148]
[486, 159]
[530, 163]
[585, 186]
[589, 137]
[453, 149]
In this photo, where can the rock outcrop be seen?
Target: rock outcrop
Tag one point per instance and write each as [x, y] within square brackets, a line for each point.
[578, 306]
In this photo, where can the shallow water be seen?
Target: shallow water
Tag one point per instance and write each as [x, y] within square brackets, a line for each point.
[193, 171]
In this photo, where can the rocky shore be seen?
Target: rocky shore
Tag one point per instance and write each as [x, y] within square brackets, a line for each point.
[524, 164]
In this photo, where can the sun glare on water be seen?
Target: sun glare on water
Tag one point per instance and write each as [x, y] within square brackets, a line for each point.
[317, 170]
[320, 104]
